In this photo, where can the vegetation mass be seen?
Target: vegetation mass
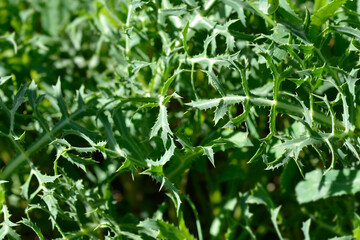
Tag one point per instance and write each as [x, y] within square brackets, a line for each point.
[213, 119]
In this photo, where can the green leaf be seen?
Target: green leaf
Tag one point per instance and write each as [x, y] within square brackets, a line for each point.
[297, 144]
[155, 170]
[161, 123]
[235, 138]
[274, 213]
[245, 213]
[317, 186]
[156, 167]
[19, 99]
[78, 161]
[238, 6]
[133, 146]
[208, 151]
[11, 38]
[245, 210]
[347, 30]
[32, 94]
[263, 15]
[214, 81]
[323, 14]
[259, 195]
[54, 14]
[43, 178]
[319, 4]
[342, 238]
[220, 111]
[356, 223]
[288, 12]
[33, 226]
[4, 79]
[164, 230]
[128, 165]
[178, 11]
[64, 149]
[60, 99]
[7, 225]
[26, 185]
[268, 6]
[258, 152]
[207, 104]
[352, 149]
[51, 203]
[306, 229]
[168, 82]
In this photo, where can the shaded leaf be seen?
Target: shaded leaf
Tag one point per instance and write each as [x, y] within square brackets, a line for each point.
[317, 186]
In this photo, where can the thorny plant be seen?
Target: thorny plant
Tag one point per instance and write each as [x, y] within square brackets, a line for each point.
[160, 87]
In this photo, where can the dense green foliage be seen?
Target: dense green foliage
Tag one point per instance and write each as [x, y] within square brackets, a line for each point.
[245, 114]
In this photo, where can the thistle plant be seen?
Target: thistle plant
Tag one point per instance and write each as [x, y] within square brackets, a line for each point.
[179, 119]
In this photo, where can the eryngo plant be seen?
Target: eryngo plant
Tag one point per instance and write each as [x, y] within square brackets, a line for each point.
[177, 83]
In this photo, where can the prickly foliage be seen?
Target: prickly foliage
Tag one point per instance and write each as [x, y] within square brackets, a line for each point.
[162, 119]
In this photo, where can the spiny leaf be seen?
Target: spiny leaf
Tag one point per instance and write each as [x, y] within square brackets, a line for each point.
[347, 30]
[78, 161]
[43, 178]
[239, 8]
[214, 81]
[323, 14]
[297, 144]
[288, 12]
[155, 167]
[208, 151]
[178, 11]
[220, 111]
[7, 225]
[207, 104]
[51, 203]
[161, 123]
[128, 165]
[33, 226]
